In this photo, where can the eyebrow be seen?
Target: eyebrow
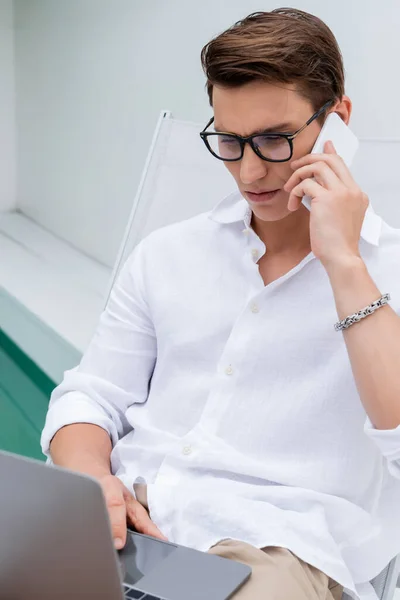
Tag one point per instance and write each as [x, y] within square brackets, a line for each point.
[280, 127]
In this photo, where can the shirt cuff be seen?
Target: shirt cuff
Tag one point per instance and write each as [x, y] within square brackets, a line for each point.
[71, 408]
[388, 442]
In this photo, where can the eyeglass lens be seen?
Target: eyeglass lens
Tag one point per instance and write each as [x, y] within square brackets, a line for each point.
[271, 147]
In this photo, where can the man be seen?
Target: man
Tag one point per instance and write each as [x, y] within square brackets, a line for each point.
[216, 404]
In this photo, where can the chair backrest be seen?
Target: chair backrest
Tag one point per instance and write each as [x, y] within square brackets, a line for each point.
[182, 179]
[384, 584]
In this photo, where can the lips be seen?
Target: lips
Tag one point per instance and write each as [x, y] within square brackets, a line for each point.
[261, 191]
[265, 196]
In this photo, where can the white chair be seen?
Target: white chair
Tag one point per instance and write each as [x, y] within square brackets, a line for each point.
[384, 584]
[168, 170]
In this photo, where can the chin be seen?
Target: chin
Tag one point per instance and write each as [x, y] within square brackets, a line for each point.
[270, 213]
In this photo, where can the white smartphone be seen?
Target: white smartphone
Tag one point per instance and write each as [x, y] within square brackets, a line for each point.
[344, 140]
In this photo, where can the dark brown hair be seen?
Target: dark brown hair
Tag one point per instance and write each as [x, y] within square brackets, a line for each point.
[285, 45]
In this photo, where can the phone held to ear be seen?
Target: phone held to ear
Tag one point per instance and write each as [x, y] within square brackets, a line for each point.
[344, 140]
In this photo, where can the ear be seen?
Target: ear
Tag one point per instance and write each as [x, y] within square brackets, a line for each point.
[343, 108]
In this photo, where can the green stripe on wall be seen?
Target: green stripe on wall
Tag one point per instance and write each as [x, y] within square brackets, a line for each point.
[24, 395]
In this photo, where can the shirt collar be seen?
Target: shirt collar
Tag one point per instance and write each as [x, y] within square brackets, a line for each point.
[234, 208]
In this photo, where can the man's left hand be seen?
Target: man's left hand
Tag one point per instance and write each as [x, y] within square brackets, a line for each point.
[338, 205]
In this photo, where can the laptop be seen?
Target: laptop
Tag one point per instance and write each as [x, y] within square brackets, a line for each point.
[55, 542]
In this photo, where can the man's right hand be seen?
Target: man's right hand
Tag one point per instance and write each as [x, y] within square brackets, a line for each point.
[86, 448]
[123, 509]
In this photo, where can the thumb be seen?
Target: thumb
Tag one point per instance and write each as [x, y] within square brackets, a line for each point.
[139, 517]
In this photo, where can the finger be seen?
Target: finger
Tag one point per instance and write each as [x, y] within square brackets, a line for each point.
[320, 170]
[335, 162]
[308, 187]
[329, 147]
[117, 513]
[139, 518]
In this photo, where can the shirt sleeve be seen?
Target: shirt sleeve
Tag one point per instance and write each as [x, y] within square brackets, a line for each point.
[388, 442]
[116, 369]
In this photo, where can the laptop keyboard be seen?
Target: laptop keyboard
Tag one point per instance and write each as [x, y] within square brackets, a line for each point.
[132, 594]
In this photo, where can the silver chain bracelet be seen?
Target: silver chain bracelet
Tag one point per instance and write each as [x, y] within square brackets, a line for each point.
[365, 312]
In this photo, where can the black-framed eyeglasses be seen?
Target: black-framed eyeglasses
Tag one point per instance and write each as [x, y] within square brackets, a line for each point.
[273, 147]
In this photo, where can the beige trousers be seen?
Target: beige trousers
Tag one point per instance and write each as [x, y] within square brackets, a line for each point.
[277, 574]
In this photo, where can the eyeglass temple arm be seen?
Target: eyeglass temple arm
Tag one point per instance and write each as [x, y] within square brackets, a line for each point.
[208, 124]
[311, 119]
[321, 110]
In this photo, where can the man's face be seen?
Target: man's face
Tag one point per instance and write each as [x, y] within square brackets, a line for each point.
[253, 108]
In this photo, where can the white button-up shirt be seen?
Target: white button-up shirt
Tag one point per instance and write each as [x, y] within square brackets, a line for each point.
[235, 401]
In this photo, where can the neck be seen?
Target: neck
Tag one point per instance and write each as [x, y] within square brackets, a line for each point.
[286, 237]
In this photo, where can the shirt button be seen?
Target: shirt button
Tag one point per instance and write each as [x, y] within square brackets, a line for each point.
[186, 450]
[254, 308]
[254, 253]
[229, 370]
[246, 231]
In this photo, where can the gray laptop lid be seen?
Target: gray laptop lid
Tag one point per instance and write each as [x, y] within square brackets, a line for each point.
[54, 535]
[55, 542]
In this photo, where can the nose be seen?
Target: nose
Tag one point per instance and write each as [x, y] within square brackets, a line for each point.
[252, 167]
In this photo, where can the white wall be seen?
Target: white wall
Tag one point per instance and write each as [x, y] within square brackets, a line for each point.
[7, 114]
[92, 76]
